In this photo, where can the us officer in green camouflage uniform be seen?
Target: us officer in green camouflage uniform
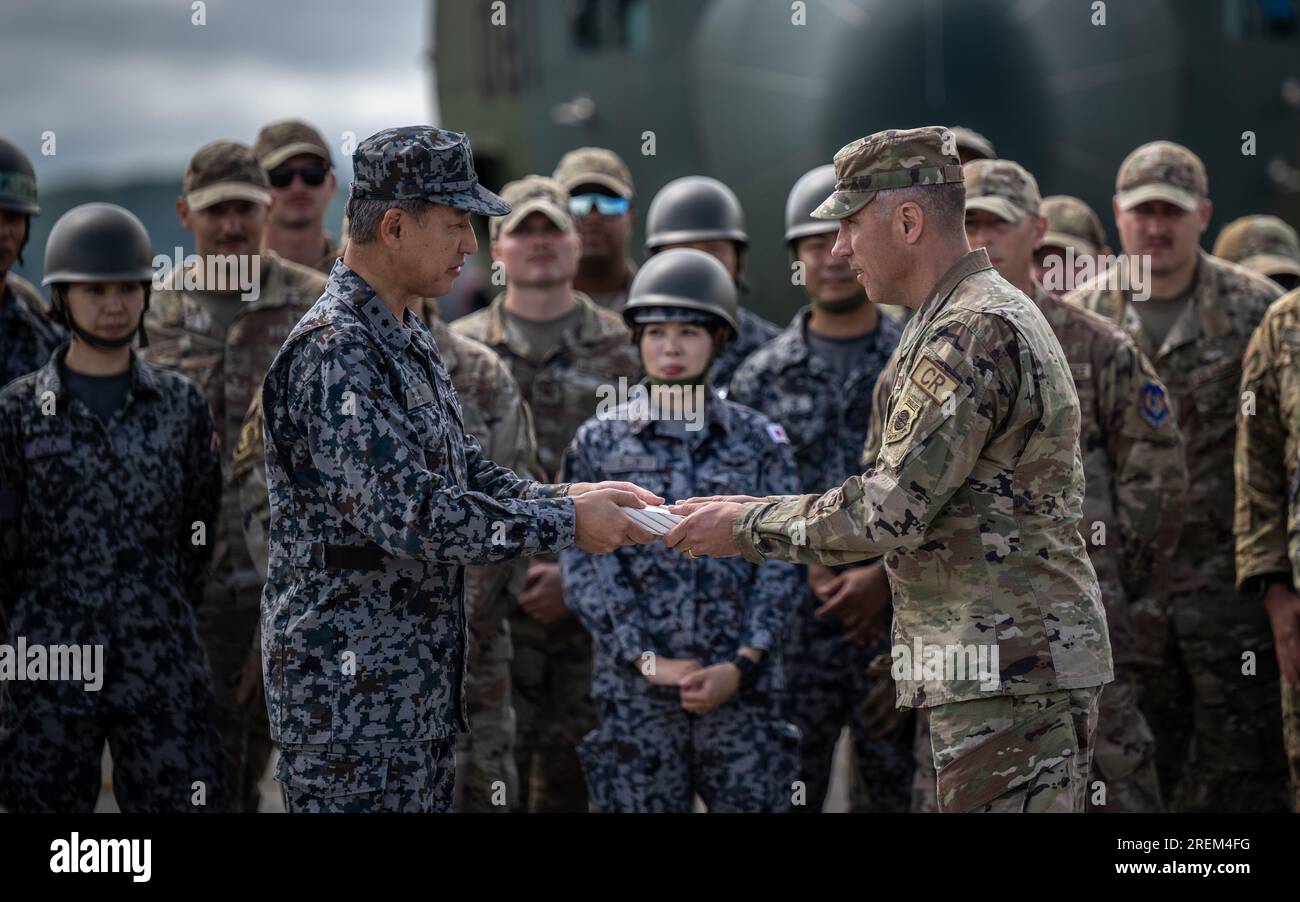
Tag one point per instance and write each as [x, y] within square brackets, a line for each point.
[561, 348]
[225, 340]
[974, 500]
[1212, 702]
[1267, 523]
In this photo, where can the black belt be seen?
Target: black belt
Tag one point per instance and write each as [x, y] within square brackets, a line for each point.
[349, 557]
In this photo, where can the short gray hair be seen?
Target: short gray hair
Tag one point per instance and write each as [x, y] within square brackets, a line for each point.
[363, 215]
[945, 204]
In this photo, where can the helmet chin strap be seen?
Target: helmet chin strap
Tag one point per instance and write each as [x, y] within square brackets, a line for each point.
[96, 341]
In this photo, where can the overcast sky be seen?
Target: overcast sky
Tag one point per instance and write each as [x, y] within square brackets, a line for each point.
[133, 88]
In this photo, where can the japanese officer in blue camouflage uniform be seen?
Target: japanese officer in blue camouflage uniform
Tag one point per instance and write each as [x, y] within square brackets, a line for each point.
[379, 499]
[109, 489]
[687, 666]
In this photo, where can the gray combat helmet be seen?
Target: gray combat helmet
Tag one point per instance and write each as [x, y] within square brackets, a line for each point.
[694, 208]
[681, 285]
[17, 180]
[98, 243]
[813, 187]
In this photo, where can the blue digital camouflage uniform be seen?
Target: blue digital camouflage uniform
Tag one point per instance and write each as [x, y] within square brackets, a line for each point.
[98, 528]
[378, 501]
[827, 420]
[754, 332]
[27, 338]
[647, 754]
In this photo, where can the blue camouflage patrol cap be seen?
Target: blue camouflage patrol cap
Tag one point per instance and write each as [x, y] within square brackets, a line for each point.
[420, 162]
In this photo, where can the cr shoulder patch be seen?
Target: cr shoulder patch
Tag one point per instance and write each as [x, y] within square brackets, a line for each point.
[934, 378]
[778, 434]
[1154, 406]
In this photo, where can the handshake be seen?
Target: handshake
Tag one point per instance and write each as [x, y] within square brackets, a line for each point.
[611, 515]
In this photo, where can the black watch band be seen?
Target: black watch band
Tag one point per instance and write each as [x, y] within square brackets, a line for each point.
[748, 668]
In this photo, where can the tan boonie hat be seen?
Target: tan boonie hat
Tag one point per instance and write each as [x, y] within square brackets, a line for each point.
[1002, 188]
[1162, 170]
[287, 138]
[897, 158]
[224, 170]
[1263, 244]
[594, 166]
[973, 143]
[533, 194]
[1072, 223]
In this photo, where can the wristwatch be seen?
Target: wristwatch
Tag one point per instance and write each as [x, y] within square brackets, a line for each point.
[749, 670]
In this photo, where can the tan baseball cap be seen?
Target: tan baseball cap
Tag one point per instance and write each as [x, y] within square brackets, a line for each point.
[1264, 244]
[973, 143]
[1001, 187]
[287, 138]
[1072, 223]
[594, 166]
[224, 170]
[533, 194]
[1162, 170]
[897, 158]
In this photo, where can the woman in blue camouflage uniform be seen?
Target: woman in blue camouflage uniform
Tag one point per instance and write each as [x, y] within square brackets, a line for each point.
[109, 487]
[687, 662]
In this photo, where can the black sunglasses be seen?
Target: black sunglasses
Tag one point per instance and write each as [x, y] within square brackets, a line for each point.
[312, 174]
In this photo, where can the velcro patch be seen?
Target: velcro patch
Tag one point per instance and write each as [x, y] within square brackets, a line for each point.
[777, 433]
[418, 394]
[934, 379]
[1082, 372]
[903, 417]
[1154, 406]
[47, 445]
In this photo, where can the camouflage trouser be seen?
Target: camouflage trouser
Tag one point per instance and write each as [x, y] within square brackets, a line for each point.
[648, 755]
[1217, 729]
[551, 690]
[1291, 738]
[1015, 753]
[827, 686]
[1124, 753]
[161, 739]
[365, 777]
[227, 628]
[486, 779]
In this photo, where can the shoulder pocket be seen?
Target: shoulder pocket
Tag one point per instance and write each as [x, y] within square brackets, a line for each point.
[929, 396]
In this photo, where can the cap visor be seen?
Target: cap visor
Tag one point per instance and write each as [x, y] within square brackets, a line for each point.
[1272, 265]
[998, 206]
[1179, 197]
[280, 154]
[598, 178]
[1061, 239]
[223, 191]
[555, 214]
[842, 204]
[474, 200]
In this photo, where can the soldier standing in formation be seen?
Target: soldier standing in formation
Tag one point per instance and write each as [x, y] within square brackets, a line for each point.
[300, 172]
[601, 199]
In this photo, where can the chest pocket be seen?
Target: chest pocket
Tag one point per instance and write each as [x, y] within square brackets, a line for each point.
[925, 401]
[728, 477]
[1214, 389]
[426, 416]
[645, 470]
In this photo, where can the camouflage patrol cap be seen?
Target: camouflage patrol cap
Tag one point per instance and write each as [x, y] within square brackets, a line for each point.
[225, 170]
[420, 162]
[1162, 170]
[533, 194]
[1001, 187]
[897, 158]
[975, 145]
[1072, 223]
[594, 166]
[1264, 244]
[287, 138]
[17, 180]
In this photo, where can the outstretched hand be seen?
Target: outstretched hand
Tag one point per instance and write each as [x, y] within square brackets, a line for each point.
[601, 523]
[707, 529]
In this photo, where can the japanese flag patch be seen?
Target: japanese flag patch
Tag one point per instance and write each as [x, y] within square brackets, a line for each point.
[778, 434]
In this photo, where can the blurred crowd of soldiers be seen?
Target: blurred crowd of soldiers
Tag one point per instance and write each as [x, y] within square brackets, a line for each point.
[1190, 437]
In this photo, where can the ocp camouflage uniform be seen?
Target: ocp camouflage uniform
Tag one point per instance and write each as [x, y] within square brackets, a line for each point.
[363, 624]
[1267, 522]
[647, 753]
[551, 673]
[826, 419]
[228, 364]
[1216, 727]
[974, 502]
[98, 525]
[27, 337]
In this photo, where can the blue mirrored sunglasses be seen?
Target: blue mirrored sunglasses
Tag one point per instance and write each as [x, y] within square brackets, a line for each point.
[605, 205]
